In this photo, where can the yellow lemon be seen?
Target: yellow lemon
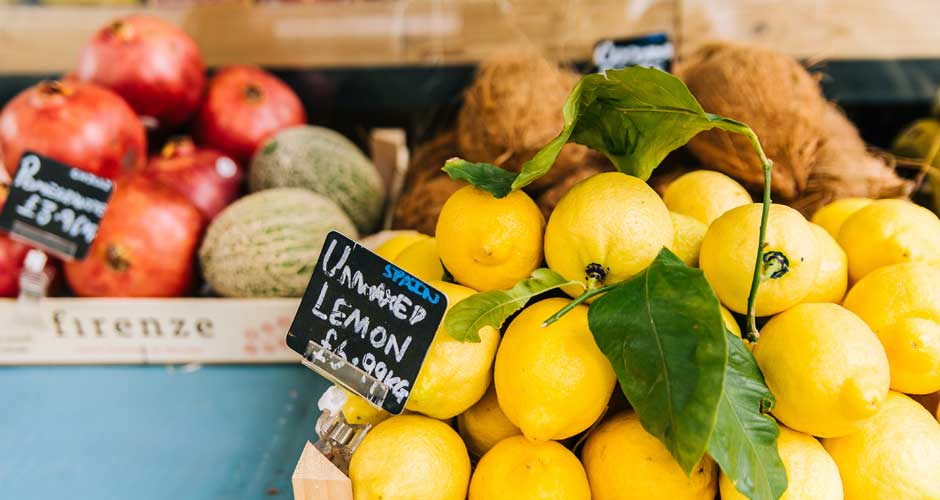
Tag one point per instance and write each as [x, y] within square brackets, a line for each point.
[420, 258]
[485, 424]
[688, 238]
[606, 229]
[833, 276]
[359, 411]
[895, 455]
[490, 243]
[811, 472]
[705, 195]
[455, 374]
[831, 216]
[410, 457]
[517, 469]
[552, 382]
[624, 462]
[901, 303]
[791, 258]
[889, 232]
[730, 323]
[392, 247]
[826, 368]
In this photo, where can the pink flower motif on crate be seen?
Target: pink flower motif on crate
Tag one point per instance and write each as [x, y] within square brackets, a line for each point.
[268, 337]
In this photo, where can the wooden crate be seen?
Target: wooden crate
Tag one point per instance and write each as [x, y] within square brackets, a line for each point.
[39, 40]
[179, 330]
[814, 29]
[132, 331]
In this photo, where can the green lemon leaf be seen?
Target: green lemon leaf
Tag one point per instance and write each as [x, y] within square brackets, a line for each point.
[663, 333]
[744, 443]
[486, 176]
[635, 116]
[465, 319]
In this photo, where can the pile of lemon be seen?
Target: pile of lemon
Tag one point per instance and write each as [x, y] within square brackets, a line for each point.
[853, 301]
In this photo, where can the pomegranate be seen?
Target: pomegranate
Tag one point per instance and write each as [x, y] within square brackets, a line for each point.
[209, 179]
[79, 124]
[145, 246]
[149, 62]
[244, 105]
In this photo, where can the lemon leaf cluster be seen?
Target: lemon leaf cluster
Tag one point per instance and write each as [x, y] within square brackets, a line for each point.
[663, 333]
[693, 385]
[635, 116]
[492, 308]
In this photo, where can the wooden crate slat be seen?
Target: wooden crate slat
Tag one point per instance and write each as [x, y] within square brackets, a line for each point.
[36, 40]
[813, 29]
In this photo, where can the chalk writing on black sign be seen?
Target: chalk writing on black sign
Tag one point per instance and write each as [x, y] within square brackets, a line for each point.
[370, 314]
[55, 205]
[653, 51]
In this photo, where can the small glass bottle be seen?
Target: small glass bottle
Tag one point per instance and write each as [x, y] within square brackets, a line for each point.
[34, 287]
[338, 438]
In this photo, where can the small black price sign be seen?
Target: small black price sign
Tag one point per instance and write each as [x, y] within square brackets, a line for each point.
[55, 206]
[654, 51]
[362, 317]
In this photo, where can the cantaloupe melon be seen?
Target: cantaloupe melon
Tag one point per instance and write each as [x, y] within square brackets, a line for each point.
[267, 243]
[325, 162]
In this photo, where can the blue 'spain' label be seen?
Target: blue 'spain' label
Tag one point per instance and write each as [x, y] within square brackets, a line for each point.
[368, 313]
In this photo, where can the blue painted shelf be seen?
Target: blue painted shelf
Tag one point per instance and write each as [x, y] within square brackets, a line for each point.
[154, 432]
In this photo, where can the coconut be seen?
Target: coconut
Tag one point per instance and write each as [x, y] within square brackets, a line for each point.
[774, 95]
[428, 158]
[419, 207]
[512, 109]
[844, 168]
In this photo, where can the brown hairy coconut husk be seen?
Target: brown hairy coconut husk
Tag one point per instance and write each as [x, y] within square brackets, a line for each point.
[428, 158]
[419, 207]
[512, 109]
[773, 94]
[844, 168]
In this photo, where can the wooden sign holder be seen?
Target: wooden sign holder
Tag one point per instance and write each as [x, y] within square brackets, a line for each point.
[316, 478]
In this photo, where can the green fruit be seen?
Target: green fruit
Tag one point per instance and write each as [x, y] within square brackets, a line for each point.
[266, 244]
[918, 141]
[325, 162]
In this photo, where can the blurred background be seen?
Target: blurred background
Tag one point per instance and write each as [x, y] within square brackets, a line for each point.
[145, 429]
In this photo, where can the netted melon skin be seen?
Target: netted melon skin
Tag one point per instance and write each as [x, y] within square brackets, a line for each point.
[267, 243]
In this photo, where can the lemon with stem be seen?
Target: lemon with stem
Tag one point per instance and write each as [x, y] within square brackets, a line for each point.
[606, 229]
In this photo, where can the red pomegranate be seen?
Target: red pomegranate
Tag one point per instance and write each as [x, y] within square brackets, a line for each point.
[244, 105]
[145, 246]
[149, 62]
[82, 125]
[209, 179]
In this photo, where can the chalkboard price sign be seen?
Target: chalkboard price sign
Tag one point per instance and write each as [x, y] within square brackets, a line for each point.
[55, 206]
[653, 51]
[362, 318]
